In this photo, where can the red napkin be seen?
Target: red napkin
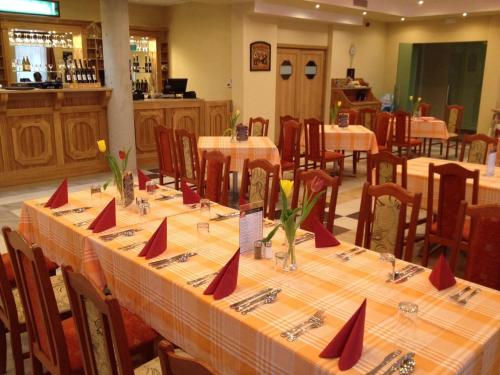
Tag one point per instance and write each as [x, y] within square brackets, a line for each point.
[348, 343]
[225, 282]
[442, 276]
[142, 179]
[60, 196]
[106, 219]
[322, 236]
[188, 196]
[157, 244]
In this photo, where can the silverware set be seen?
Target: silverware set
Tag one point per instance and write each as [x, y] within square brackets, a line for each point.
[405, 273]
[201, 280]
[123, 233]
[409, 274]
[264, 297]
[405, 365]
[315, 321]
[221, 217]
[132, 245]
[165, 197]
[461, 296]
[83, 222]
[348, 254]
[305, 237]
[78, 210]
[388, 359]
[181, 258]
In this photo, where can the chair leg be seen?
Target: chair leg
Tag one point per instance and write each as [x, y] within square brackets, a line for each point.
[354, 162]
[425, 253]
[161, 179]
[456, 149]
[429, 148]
[3, 349]
[447, 149]
[341, 170]
[17, 352]
[36, 366]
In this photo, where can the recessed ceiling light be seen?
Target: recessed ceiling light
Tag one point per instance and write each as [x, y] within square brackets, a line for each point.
[464, 14]
[421, 2]
[317, 6]
[403, 19]
[365, 13]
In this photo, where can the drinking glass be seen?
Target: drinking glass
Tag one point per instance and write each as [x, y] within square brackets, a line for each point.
[205, 209]
[388, 258]
[95, 193]
[202, 235]
[150, 187]
[407, 323]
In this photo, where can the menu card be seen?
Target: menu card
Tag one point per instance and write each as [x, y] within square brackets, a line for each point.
[251, 225]
[343, 120]
[241, 133]
[490, 163]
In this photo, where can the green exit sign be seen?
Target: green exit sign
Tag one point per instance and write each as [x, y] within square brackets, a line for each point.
[36, 7]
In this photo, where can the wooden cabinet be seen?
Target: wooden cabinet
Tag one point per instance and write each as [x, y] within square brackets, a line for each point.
[48, 134]
[353, 97]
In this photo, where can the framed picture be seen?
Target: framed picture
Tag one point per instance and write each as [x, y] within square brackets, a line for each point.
[260, 57]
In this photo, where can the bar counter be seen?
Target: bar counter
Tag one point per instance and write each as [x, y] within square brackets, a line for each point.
[49, 133]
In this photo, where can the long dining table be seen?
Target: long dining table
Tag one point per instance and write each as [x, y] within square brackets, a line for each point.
[447, 337]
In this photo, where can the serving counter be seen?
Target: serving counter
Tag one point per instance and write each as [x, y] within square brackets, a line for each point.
[45, 134]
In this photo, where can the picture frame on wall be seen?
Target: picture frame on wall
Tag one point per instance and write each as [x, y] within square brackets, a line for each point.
[260, 57]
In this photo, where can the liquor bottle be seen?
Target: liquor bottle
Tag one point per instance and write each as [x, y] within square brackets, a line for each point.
[24, 64]
[78, 73]
[29, 63]
[146, 64]
[137, 85]
[67, 72]
[88, 72]
[94, 74]
[146, 86]
[83, 72]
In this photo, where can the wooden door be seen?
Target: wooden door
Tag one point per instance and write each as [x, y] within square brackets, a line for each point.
[300, 84]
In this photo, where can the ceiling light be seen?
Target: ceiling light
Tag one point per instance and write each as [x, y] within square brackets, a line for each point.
[403, 19]
[365, 13]
[421, 2]
[317, 6]
[464, 14]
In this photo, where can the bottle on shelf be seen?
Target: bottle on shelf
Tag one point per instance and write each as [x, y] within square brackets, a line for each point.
[67, 72]
[94, 74]
[137, 85]
[146, 64]
[88, 72]
[82, 72]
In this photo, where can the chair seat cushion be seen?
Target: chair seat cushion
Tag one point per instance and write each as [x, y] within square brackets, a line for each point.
[465, 232]
[51, 266]
[332, 155]
[287, 165]
[415, 141]
[139, 334]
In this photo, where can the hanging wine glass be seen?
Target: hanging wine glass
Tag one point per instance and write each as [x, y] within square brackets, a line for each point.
[19, 40]
[32, 38]
[12, 40]
[49, 67]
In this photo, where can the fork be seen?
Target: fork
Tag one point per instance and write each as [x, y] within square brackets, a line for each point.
[317, 315]
[349, 257]
[126, 233]
[464, 300]
[312, 325]
[457, 296]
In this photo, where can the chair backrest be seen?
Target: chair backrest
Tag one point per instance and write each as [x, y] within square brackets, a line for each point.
[173, 363]
[383, 167]
[483, 261]
[402, 127]
[258, 127]
[367, 117]
[167, 154]
[302, 185]
[382, 219]
[100, 326]
[290, 151]
[452, 185]
[425, 109]
[479, 145]
[353, 115]
[383, 126]
[453, 117]
[189, 165]
[284, 119]
[47, 342]
[8, 308]
[214, 176]
[314, 131]
[260, 182]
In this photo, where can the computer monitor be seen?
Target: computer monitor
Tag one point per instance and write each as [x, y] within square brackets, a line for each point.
[175, 86]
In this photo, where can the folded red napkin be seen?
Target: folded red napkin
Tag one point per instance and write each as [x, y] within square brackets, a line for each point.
[60, 196]
[106, 219]
[348, 343]
[157, 244]
[225, 282]
[442, 275]
[142, 179]
[322, 236]
[188, 196]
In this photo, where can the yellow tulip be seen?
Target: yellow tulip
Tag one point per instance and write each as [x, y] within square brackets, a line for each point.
[339, 103]
[419, 99]
[287, 187]
[101, 144]
[411, 97]
[237, 113]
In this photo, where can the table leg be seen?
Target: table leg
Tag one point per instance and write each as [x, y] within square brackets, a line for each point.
[235, 182]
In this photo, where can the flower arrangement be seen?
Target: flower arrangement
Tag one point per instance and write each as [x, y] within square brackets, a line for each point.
[118, 169]
[334, 112]
[231, 131]
[414, 104]
[291, 219]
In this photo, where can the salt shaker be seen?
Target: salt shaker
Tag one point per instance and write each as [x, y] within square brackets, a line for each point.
[268, 250]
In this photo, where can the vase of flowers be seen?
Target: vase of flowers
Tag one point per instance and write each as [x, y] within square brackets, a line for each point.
[334, 112]
[291, 219]
[231, 130]
[119, 174]
[414, 105]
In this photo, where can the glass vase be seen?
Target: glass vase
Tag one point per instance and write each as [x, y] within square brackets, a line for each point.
[291, 262]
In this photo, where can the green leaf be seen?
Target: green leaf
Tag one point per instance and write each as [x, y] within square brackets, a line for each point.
[272, 233]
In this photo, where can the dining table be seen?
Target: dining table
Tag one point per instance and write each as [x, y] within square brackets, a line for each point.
[447, 337]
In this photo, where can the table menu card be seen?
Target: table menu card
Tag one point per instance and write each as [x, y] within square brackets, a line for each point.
[251, 225]
[490, 163]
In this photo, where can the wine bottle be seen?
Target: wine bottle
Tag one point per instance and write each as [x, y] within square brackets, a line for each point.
[145, 64]
[83, 72]
[94, 75]
[67, 72]
[78, 73]
[137, 85]
[88, 72]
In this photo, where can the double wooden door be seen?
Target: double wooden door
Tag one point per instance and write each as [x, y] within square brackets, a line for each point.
[300, 83]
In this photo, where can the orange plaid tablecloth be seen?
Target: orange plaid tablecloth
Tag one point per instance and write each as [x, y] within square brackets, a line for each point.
[418, 171]
[351, 138]
[429, 127]
[448, 338]
[254, 148]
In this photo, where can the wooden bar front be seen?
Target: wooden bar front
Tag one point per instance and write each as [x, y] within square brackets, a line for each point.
[49, 134]
[196, 115]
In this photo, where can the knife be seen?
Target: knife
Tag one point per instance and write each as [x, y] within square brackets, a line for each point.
[386, 360]
[409, 275]
[239, 303]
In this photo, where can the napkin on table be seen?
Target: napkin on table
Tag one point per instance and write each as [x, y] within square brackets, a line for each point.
[442, 275]
[142, 179]
[225, 282]
[60, 196]
[322, 236]
[189, 196]
[157, 244]
[106, 219]
[348, 343]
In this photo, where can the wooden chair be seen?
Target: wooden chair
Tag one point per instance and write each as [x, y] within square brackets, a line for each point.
[101, 329]
[284, 119]
[316, 147]
[167, 154]
[367, 117]
[483, 246]
[425, 109]
[187, 149]
[479, 145]
[174, 362]
[302, 185]
[453, 118]
[401, 137]
[258, 127]
[382, 168]
[383, 129]
[290, 150]
[353, 115]
[382, 221]
[260, 182]
[214, 176]
[442, 224]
